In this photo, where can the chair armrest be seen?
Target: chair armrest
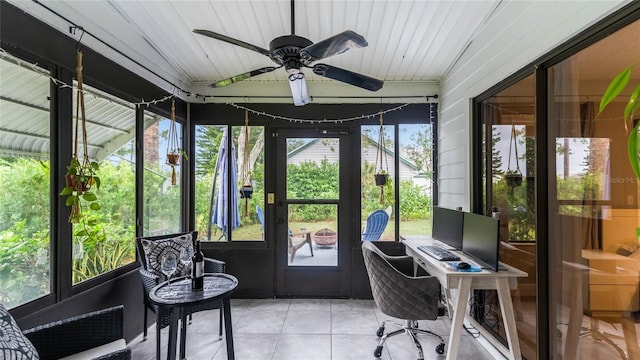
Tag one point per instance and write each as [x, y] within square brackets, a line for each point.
[404, 264]
[214, 266]
[69, 336]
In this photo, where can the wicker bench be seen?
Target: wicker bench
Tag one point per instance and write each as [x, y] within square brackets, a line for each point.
[98, 335]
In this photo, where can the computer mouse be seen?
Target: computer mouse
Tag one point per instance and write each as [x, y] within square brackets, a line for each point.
[463, 265]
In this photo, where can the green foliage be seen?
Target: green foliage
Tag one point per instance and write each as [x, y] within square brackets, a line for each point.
[616, 86]
[415, 203]
[107, 235]
[24, 265]
[310, 180]
[81, 179]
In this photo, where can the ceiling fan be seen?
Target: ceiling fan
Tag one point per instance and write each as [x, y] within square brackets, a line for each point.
[295, 52]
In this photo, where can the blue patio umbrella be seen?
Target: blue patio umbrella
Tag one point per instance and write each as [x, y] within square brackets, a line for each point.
[227, 190]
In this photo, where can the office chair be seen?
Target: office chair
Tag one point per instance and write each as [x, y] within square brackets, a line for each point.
[376, 223]
[151, 277]
[399, 294]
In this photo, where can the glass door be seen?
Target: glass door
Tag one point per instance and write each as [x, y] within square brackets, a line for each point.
[311, 250]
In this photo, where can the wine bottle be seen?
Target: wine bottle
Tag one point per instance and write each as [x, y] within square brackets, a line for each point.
[197, 268]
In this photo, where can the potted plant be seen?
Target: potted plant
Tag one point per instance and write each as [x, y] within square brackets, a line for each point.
[614, 89]
[174, 152]
[513, 178]
[81, 177]
[381, 174]
[246, 191]
[173, 159]
[381, 178]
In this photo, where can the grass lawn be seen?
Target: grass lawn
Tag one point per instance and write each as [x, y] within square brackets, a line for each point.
[254, 232]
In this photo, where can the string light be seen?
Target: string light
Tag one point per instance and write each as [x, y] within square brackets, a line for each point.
[61, 84]
[318, 121]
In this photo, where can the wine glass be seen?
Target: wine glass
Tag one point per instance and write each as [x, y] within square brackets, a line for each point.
[185, 256]
[168, 264]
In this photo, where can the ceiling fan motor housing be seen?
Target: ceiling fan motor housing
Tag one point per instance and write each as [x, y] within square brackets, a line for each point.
[285, 50]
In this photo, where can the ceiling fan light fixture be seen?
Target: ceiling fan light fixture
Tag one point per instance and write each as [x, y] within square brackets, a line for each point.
[298, 85]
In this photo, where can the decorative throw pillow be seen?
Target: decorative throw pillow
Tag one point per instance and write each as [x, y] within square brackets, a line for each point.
[154, 250]
[13, 344]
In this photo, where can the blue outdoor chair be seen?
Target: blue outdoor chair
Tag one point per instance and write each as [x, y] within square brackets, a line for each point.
[376, 223]
[260, 214]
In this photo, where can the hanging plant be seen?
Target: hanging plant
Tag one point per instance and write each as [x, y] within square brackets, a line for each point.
[246, 190]
[173, 148]
[513, 178]
[381, 174]
[81, 177]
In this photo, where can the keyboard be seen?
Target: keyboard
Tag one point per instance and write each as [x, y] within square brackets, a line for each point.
[438, 253]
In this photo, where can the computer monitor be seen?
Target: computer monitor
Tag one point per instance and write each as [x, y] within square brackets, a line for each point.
[447, 226]
[480, 239]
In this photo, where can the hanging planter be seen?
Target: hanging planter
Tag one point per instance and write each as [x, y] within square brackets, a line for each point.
[381, 179]
[513, 178]
[173, 160]
[381, 174]
[246, 190]
[81, 177]
[174, 151]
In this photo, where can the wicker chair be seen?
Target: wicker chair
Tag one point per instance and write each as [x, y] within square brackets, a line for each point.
[149, 281]
[399, 294]
[71, 336]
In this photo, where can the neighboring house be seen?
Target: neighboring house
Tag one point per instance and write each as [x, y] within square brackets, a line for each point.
[317, 150]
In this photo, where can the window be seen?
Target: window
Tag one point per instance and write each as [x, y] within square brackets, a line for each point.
[508, 156]
[378, 176]
[409, 172]
[161, 214]
[416, 177]
[594, 211]
[229, 181]
[25, 211]
[103, 239]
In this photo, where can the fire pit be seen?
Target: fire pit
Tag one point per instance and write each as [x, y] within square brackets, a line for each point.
[325, 237]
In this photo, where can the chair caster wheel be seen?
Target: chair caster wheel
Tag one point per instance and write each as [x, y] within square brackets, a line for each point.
[378, 352]
[380, 331]
[440, 349]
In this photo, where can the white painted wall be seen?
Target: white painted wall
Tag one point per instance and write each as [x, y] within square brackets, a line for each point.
[517, 33]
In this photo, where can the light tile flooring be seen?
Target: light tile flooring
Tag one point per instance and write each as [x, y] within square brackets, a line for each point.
[304, 329]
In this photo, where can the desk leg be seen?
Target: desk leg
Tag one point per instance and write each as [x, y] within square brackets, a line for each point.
[464, 286]
[631, 338]
[228, 332]
[173, 334]
[448, 300]
[508, 316]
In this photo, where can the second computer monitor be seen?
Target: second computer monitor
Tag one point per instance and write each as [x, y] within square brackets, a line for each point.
[480, 239]
[447, 226]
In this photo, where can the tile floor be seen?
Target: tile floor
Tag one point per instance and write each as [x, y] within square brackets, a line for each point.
[304, 329]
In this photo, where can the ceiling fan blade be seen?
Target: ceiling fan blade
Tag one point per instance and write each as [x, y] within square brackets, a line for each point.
[241, 77]
[348, 77]
[233, 41]
[334, 45]
[298, 85]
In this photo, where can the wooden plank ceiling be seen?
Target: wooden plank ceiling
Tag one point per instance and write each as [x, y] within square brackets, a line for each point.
[412, 43]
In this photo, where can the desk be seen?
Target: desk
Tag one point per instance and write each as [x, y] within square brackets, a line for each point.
[464, 282]
[612, 294]
[176, 295]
